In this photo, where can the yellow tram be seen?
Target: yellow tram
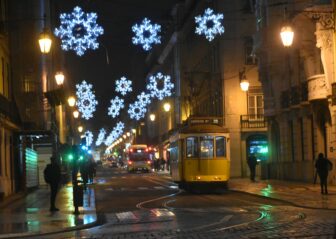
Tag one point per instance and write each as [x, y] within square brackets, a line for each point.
[200, 154]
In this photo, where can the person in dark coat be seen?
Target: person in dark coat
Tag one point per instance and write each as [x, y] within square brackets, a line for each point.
[52, 175]
[323, 165]
[252, 163]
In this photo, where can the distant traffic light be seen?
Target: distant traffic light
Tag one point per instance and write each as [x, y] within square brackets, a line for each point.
[70, 157]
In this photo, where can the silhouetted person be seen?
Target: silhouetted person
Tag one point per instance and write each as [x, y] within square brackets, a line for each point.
[52, 175]
[323, 165]
[252, 163]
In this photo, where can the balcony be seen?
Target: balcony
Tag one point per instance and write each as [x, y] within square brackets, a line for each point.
[295, 96]
[317, 88]
[252, 121]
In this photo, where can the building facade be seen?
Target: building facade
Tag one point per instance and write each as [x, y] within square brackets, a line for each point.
[298, 83]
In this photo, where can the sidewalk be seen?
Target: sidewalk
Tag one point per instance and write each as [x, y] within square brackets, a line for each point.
[299, 194]
[30, 215]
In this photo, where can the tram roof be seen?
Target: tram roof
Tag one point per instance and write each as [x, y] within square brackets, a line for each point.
[203, 128]
[203, 125]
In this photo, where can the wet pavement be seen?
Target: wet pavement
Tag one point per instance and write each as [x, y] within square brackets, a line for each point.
[298, 194]
[30, 215]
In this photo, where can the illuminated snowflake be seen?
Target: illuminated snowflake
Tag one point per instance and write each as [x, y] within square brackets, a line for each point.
[83, 88]
[110, 138]
[144, 98]
[123, 85]
[116, 105]
[137, 110]
[146, 34]
[101, 137]
[160, 86]
[209, 24]
[88, 137]
[86, 100]
[79, 31]
[119, 128]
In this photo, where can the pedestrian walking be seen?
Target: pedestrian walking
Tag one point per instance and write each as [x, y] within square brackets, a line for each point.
[323, 166]
[52, 176]
[252, 163]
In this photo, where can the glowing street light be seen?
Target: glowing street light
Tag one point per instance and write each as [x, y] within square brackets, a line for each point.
[80, 129]
[287, 35]
[71, 101]
[59, 77]
[244, 85]
[75, 114]
[45, 42]
[166, 107]
[152, 117]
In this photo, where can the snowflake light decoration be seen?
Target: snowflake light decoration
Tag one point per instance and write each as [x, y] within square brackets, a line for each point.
[209, 24]
[101, 137]
[88, 137]
[110, 138]
[116, 105]
[146, 34]
[123, 86]
[119, 128]
[86, 100]
[160, 86]
[144, 98]
[137, 110]
[79, 31]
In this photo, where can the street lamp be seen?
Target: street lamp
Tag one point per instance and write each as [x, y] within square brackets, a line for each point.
[166, 107]
[71, 101]
[287, 35]
[75, 114]
[59, 77]
[152, 117]
[80, 129]
[244, 83]
[45, 41]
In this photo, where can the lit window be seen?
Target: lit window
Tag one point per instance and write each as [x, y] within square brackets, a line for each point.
[207, 146]
[192, 147]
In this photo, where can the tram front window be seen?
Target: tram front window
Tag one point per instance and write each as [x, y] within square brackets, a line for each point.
[220, 146]
[192, 147]
[207, 146]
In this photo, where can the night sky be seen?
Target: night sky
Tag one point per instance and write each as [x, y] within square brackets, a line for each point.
[125, 59]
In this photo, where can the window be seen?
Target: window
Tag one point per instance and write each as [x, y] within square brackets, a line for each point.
[29, 84]
[192, 147]
[207, 146]
[250, 58]
[220, 146]
[255, 104]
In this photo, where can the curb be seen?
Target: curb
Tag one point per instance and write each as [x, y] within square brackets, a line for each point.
[282, 200]
[33, 234]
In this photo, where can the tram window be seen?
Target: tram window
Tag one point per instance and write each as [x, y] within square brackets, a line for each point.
[192, 147]
[173, 152]
[207, 146]
[220, 146]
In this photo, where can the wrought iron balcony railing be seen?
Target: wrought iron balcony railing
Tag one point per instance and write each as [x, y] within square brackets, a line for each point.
[253, 121]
